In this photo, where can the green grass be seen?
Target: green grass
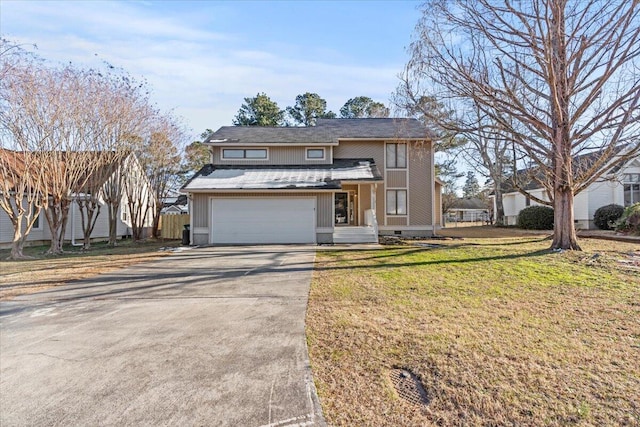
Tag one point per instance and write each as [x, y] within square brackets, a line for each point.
[500, 331]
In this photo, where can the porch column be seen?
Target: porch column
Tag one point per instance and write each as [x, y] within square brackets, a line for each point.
[374, 189]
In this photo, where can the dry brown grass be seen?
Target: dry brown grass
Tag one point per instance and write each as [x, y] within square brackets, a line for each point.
[42, 271]
[499, 330]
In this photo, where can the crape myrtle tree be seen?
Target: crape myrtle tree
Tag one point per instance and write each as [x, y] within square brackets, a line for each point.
[69, 135]
[42, 107]
[161, 160]
[560, 78]
[67, 154]
[124, 121]
[21, 196]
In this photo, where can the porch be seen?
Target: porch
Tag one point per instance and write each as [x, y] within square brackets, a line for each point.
[354, 213]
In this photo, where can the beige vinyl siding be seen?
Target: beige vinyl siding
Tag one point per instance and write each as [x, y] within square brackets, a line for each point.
[6, 229]
[275, 156]
[324, 210]
[420, 185]
[396, 220]
[397, 179]
[364, 195]
[73, 228]
[200, 212]
[365, 150]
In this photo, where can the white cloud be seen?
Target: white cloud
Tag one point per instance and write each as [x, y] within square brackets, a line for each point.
[203, 74]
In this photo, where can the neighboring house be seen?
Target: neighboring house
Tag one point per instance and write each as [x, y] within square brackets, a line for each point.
[175, 205]
[41, 234]
[468, 210]
[341, 181]
[620, 186]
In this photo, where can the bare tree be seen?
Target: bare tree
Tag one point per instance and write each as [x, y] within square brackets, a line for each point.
[125, 112]
[488, 152]
[560, 77]
[68, 160]
[161, 160]
[21, 195]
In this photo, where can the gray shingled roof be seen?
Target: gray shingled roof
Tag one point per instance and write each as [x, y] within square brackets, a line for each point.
[325, 131]
[469, 203]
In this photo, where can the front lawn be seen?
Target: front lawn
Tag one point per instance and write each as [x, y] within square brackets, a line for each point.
[44, 271]
[499, 331]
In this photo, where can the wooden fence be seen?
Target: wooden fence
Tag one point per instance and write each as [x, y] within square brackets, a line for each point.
[171, 226]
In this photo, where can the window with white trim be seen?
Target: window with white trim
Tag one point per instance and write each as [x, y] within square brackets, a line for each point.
[631, 188]
[396, 202]
[244, 153]
[315, 153]
[396, 156]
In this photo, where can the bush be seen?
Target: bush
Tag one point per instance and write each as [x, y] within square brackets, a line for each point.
[605, 217]
[536, 218]
[629, 222]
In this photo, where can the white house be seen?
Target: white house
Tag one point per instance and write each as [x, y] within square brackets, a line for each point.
[41, 234]
[621, 186]
[469, 209]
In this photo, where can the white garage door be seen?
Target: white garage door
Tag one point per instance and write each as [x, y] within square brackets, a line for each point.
[263, 220]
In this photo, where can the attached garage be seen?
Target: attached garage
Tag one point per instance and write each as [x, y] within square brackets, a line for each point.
[263, 220]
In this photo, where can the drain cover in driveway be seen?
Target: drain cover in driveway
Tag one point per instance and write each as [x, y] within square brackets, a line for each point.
[409, 387]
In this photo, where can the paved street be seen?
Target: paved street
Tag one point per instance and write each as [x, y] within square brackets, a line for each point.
[210, 336]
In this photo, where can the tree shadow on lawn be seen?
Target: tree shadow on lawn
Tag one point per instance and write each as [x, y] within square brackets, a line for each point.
[400, 251]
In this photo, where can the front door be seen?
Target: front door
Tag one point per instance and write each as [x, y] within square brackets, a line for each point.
[342, 208]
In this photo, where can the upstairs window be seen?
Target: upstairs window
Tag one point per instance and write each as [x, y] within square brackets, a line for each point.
[244, 153]
[396, 156]
[315, 153]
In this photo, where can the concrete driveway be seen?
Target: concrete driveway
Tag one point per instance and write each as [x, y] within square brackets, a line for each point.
[210, 336]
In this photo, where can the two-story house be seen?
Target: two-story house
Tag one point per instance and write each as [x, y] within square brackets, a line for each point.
[340, 181]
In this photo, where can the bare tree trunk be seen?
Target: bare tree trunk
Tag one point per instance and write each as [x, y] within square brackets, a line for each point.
[499, 213]
[112, 209]
[18, 241]
[89, 211]
[57, 215]
[564, 234]
[155, 230]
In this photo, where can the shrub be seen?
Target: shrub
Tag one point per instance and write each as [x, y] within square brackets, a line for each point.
[630, 220]
[606, 216]
[536, 218]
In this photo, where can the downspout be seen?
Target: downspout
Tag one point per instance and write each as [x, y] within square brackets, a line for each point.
[190, 205]
[433, 191]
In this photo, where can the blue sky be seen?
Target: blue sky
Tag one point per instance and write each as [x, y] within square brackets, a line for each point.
[202, 58]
